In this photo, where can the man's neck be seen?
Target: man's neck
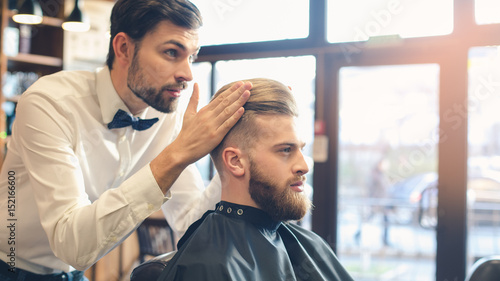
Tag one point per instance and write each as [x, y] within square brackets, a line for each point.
[238, 194]
[134, 104]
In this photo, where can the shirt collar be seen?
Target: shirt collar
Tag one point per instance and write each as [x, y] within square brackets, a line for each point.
[109, 99]
[250, 214]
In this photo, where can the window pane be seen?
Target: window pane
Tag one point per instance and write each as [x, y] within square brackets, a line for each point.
[387, 171]
[201, 73]
[483, 188]
[357, 20]
[297, 72]
[487, 11]
[238, 21]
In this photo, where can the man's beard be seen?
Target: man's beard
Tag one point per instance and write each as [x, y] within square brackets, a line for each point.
[283, 205]
[151, 96]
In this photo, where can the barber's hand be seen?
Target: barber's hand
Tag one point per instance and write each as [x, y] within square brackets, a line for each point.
[201, 131]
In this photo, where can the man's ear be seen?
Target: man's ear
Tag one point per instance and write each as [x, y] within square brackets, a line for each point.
[234, 162]
[124, 48]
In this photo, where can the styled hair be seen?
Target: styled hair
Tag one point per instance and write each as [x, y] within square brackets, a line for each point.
[138, 17]
[267, 97]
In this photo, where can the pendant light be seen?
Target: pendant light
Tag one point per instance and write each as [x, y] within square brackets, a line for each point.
[30, 12]
[76, 21]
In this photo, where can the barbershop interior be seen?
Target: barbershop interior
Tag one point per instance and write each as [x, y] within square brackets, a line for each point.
[397, 102]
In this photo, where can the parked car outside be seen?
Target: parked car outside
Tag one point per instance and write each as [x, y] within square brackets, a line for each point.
[414, 199]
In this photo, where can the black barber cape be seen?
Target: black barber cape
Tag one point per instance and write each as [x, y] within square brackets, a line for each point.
[241, 243]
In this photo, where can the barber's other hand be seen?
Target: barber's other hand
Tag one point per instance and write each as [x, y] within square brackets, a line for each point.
[201, 130]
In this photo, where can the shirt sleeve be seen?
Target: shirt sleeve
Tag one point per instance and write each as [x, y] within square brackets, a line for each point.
[190, 200]
[80, 232]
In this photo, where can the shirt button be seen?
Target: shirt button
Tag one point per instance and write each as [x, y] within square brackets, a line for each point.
[113, 238]
[150, 206]
[123, 138]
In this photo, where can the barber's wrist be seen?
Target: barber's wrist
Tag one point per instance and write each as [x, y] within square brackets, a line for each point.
[167, 167]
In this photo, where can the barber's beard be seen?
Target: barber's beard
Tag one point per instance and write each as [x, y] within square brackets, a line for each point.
[281, 203]
[137, 83]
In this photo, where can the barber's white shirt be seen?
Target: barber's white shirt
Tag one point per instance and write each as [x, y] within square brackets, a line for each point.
[81, 188]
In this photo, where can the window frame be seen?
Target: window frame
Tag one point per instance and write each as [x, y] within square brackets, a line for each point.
[450, 51]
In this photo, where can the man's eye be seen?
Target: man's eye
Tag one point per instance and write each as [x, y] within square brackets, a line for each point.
[288, 149]
[171, 53]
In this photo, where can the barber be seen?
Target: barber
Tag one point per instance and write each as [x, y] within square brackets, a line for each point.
[93, 154]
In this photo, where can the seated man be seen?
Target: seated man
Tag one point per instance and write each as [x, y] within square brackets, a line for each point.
[262, 171]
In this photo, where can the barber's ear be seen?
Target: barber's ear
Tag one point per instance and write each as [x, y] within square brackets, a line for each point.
[124, 48]
[234, 161]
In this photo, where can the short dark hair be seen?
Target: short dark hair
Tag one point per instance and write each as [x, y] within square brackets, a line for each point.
[138, 17]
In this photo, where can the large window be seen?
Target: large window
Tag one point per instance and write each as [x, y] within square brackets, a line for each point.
[483, 189]
[394, 100]
[359, 20]
[239, 21]
[387, 168]
[487, 11]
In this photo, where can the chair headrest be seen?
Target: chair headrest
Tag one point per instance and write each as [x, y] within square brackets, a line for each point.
[485, 269]
[151, 269]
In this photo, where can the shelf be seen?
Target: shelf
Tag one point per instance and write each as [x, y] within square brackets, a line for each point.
[37, 59]
[57, 22]
[41, 52]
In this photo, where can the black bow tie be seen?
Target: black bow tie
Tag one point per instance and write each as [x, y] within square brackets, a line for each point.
[124, 119]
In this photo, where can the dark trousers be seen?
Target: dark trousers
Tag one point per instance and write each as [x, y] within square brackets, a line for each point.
[16, 274]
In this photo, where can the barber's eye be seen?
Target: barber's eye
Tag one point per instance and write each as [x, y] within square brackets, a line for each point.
[288, 149]
[171, 52]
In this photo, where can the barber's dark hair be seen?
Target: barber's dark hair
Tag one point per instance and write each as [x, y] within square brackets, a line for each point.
[138, 17]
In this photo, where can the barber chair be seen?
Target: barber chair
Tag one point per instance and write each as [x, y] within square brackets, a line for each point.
[485, 269]
[151, 269]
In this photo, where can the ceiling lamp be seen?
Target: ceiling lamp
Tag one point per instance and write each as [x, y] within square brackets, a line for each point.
[76, 21]
[30, 12]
